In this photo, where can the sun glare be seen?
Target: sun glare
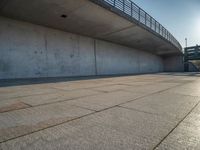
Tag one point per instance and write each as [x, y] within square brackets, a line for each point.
[198, 26]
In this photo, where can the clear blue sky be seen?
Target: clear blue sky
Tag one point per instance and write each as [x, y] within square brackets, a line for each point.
[180, 17]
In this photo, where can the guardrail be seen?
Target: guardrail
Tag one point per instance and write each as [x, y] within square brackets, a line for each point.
[130, 9]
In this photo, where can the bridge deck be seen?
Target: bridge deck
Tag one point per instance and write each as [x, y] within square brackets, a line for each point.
[132, 12]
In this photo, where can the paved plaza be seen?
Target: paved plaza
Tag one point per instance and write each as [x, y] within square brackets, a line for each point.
[139, 112]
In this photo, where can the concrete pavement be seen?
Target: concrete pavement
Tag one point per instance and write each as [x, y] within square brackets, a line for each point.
[152, 111]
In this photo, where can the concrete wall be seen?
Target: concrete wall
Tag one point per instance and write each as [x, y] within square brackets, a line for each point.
[29, 51]
[117, 59]
[173, 64]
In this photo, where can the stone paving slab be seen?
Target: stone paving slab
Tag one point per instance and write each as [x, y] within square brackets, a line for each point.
[81, 85]
[20, 122]
[165, 104]
[111, 88]
[186, 135]
[10, 105]
[190, 89]
[105, 100]
[7, 90]
[134, 83]
[26, 92]
[57, 97]
[177, 81]
[113, 129]
[151, 88]
[35, 100]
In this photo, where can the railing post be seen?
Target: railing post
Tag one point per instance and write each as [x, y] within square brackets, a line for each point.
[150, 22]
[163, 32]
[145, 17]
[167, 35]
[114, 3]
[159, 28]
[123, 5]
[131, 9]
[139, 15]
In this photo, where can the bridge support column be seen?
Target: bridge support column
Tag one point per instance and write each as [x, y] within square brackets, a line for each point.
[186, 63]
[186, 66]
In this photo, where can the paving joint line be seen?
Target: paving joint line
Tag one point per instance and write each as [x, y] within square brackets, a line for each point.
[157, 145]
[87, 88]
[100, 92]
[55, 88]
[133, 109]
[46, 128]
[33, 106]
[28, 106]
[83, 107]
[27, 96]
[92, 113]
[146, 94]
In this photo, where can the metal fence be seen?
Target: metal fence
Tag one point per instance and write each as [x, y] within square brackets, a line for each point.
[132, 10]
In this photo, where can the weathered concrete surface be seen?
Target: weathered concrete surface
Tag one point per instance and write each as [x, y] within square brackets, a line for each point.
[174, 63]
[34, 51]
[115, 59]
[153, 111]
[79, 19]
[116, 128]
[20, 122]
[31, 51]
[106, 100]
[30, 100]
[186, 135]
[165, 104]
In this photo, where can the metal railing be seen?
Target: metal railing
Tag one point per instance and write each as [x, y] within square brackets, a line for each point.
[132, 10]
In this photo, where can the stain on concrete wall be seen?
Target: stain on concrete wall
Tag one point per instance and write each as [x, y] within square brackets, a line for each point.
[28, 51]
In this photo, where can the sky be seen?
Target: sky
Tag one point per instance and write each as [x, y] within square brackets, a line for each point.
[180, 17]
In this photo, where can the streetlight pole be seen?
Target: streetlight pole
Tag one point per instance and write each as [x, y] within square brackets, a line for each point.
[185, 42]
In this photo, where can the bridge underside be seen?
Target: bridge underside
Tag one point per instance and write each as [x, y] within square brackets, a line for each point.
[64, 38]
[89, 19]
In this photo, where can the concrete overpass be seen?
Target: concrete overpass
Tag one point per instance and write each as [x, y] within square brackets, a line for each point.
[47, 38]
